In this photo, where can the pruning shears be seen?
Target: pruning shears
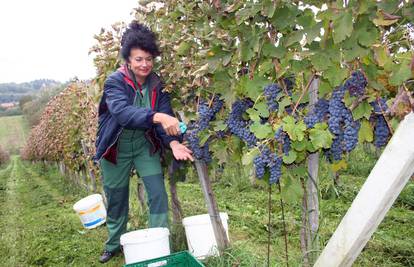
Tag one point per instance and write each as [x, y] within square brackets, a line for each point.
[183, 127]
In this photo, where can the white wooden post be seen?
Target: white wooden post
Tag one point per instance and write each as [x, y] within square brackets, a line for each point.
[385, 182]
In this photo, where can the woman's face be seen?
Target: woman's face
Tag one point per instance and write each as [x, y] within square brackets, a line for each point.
[141, 63]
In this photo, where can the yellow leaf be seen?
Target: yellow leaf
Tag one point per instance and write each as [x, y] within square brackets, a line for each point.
[384, 22]
[340, 165]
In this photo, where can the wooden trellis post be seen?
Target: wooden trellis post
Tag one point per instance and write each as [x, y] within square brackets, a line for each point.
[383, 185]
[311, 198]
[90, 171]
[219, 232]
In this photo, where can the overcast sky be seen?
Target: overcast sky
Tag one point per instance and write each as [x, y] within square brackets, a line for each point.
[50, 39]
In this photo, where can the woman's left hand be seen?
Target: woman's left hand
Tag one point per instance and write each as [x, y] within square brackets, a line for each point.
[180, 151]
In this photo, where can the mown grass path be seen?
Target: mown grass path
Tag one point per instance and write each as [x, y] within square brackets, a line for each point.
[37, 224]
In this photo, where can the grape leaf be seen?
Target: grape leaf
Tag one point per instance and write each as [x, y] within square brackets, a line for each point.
[400, 74]
[299, 145]
[342, 27]
[291, 190]
[384, 22]
[290, 158]
[321, 61]
[286, 101]
[365, 133]
[261, 130]
[219, 150]
[335, 75]
[363, 110]
[320, 136]
[262, 109]
[249, 156]
[296, 131]
[340, 165]
[253, 114]
[219, 125]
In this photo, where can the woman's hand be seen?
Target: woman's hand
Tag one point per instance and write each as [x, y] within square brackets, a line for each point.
[180, 151]
[169, 123]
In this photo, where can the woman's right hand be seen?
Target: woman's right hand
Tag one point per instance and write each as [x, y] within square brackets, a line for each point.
[169, 123]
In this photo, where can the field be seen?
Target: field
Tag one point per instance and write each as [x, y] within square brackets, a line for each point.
[13, 131]
[40, 228]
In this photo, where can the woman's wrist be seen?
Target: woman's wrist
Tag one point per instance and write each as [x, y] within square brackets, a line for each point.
[174, 143]
[157, 118]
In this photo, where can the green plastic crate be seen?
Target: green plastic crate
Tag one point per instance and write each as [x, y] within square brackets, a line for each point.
[179, 259]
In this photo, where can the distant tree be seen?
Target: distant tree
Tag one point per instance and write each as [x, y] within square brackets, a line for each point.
[24, 99]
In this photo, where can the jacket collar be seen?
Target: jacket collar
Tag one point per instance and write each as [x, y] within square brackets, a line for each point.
[153, 79]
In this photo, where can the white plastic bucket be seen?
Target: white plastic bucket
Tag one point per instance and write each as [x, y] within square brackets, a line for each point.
[200, 235]
[145, 244]
[91, 211]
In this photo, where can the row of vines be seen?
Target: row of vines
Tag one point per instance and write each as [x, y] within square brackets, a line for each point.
[268, 84]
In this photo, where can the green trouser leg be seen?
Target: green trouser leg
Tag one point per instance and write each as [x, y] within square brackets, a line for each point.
[149, 168]
[157, 200]
[116, 187]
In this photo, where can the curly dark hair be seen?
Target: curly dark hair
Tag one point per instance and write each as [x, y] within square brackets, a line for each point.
[138, 36]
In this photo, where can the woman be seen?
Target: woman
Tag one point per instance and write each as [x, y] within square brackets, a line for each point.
[135, 123]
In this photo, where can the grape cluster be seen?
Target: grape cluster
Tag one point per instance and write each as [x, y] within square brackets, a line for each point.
[341, 122]
[351, 135]
[380, 106]
[381, 130]
[267, 158]
[271, 92]
[282, 138]
[206, 113]
[238, 126]
[356, 84]
[336, 148]
[318, 113]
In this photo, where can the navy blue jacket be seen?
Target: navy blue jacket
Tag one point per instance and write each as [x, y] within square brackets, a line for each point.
[116, 112]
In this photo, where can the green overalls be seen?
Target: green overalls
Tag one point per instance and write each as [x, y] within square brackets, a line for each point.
[133, 151]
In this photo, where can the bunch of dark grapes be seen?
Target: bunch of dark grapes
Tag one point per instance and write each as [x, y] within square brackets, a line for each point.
[238, 126]
[271, 92]
[336, 107]
[283, 138]
[381, 130]
[336, 148]
[351, 135]
[268, 159]
[341, 122]
[380, 106]
[356, 84]
[275, 168]
[206, 113]
[318, 113]
[261, 160]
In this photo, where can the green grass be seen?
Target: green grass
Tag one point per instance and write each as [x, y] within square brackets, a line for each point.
[13, 133]
[39, 227]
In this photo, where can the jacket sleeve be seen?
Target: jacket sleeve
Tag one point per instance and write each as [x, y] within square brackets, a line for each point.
[164, 104]
[127, 115]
